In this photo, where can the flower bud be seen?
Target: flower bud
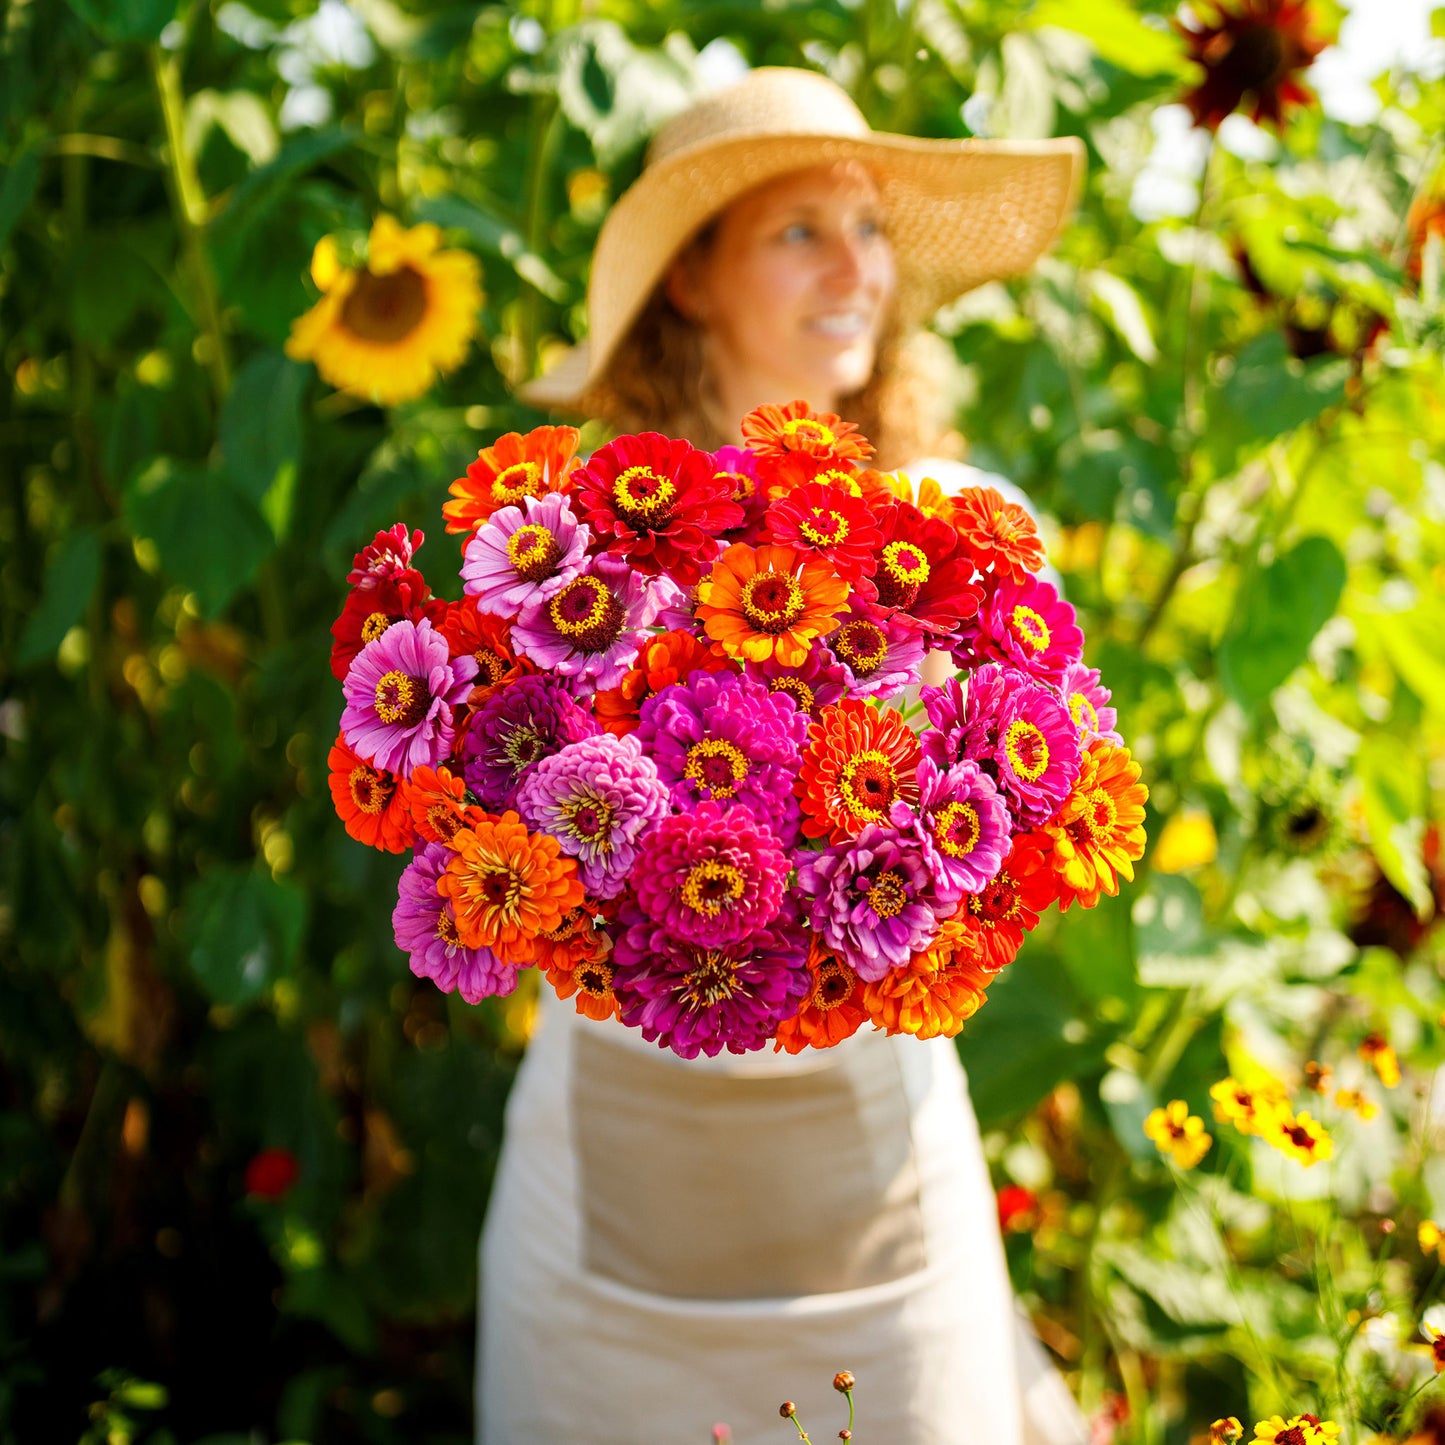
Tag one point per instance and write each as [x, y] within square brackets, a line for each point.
[787, 1409]
[843, 1381]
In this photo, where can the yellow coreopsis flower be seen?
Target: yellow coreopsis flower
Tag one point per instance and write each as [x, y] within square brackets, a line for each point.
[1249, 1107]
[1297, 1430]
[1356, 1103]
[1188, 841]
[1375, 1050]
[1301, 1137]
[1227, 1431]
[386, 329]
[1178, 1134]
[1429, 1234]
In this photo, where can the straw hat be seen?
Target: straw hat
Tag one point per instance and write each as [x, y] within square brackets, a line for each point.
[960, 212]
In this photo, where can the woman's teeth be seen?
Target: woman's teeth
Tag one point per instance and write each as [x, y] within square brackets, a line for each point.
[839, 323]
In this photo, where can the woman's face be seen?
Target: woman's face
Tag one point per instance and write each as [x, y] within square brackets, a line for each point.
[795, 289]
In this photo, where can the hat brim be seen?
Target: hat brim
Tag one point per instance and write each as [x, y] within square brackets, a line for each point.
[959, 213]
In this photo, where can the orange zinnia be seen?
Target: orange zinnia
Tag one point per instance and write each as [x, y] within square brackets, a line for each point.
[997, 534]
[1008, 907]
[832, 1012]
[859, 761]
[438, 803]
[762, 602]
[665, 659]
[780, 475]
[368, 801]
[507, 885]
[513, 467]
[471, 632]
[937, 991]
[574, 957]
[774, 431]
[1099, 832]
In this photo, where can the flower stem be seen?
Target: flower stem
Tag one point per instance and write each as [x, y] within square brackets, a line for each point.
[188, 203]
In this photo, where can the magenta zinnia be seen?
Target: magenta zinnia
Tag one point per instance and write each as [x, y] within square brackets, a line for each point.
[515, 729]
[710, 877]
[523, 555]
[660, 503]
[400, 693]
[596, 798]
[961, 824]
[1026, 625]
[1035, 754]
[882, 651]
[695, 999]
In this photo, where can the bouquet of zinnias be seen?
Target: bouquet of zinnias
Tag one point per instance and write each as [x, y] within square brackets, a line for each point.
[662, 749]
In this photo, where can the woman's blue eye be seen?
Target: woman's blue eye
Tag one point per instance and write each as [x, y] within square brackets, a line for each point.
[795, 230]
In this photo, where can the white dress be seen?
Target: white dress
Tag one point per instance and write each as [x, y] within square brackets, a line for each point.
[672, 1244]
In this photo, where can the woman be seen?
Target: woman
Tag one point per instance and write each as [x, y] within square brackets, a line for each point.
[675, 1242]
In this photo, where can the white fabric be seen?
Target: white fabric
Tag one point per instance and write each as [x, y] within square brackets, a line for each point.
[567, 1352]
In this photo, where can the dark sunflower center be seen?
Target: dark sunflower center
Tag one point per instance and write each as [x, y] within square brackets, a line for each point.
[385, 309]
[1255, 60]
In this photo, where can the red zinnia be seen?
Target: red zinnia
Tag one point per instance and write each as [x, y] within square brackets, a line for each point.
[368, 801]
[998, 535]
[922, 570]
[829, 522]
[658, 503]
[271, 1173]
[388, 554]
[1008, 907]
[370, 610]
[1252, 52]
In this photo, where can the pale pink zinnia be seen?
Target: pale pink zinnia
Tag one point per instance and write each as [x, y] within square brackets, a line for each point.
[523, 555]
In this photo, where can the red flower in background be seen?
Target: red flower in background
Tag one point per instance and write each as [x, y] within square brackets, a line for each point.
[1252, 53]
[271, 1173]
[1018, 1209]
[1426, 219]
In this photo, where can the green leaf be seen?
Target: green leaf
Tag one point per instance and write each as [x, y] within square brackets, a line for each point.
[17, 190]
[1412, 642]
[241, 114]
[496, 235]
[1392, 782]
[126, 20]
[1123, 310]
[1097, 948]
[1117, 33]
[1270, 393]
[1288, 603]
[210, 537]
[261, 433]
[69, 585]
[243, 931]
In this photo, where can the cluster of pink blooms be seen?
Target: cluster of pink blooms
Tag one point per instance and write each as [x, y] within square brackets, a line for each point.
[662, 748]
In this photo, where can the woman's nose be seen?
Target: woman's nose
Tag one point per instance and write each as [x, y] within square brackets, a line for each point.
[848, 262]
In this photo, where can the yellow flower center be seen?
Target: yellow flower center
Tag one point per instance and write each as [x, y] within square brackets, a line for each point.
[490, 667]
[498, 888]
[401, 701]
[1083, 714]
[1100, 814]
[824, 528]
[906, 564]
[716, 767]
[533, 551]
[772, 602]
[833, 986]
[1030, 628]
[710, 887]
[889, 894]
[867, 784]
[1027, 750]
[744, 487]
[588, 818]
[846, 480]
[862, 645]
[797, 689]
[447, 929]
[712, 980]
[956, 829]
[587, 614]
[643, 498]
[998, 902]
[570, 925]
[385, 309]
[369, 790]
[523, 746]
[595, 979]
[375, 625]
[444, 820]
[521, 479]
[809, 428]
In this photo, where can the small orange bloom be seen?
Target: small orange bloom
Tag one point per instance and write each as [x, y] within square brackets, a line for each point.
[368, 801]
[859, 761]
[780, 475]
[762, 602]
[998, 535]
[513, 467]
[665, 659]
[774, 431]
[471, 632]
[1099, 832]
[507, 885]
[937, 991]
[574, 956]
[1008, 906]
[1377, 1054]
[1426, 219]
[438, 803]
[1437, 1346]
[832, 1012]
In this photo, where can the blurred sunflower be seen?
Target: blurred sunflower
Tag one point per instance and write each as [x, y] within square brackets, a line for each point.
[1251, 52]
[390, 323]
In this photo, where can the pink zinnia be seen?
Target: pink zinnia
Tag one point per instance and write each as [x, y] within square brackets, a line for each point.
[815, 682]
[710, 877]
[1026, 625]
[881, 651]
[1035, 753]
[1088, 703]
[960, 822]
[589, 632]
[400, 692]
[425, 930]
[739, 467]
[523, 555]
[596, 797]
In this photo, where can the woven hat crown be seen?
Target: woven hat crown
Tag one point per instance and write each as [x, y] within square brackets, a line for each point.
[772, 100]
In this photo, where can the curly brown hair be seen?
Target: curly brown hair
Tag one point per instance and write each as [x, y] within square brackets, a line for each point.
[656, 378]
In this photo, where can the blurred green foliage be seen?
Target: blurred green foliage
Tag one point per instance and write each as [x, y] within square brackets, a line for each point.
[1232, 408]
